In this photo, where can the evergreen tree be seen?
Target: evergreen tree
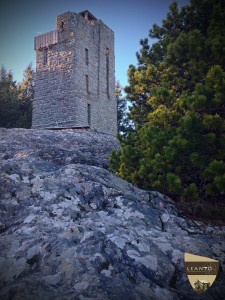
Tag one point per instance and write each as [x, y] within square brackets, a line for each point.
[122, 118]
[25, 97]
[177, 93]
[8, 99]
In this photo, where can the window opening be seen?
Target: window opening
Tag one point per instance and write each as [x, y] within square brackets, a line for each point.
[86, 57]
[62, 25]
[45, 56]
[107, 71]
[87, 84]
[89, 114]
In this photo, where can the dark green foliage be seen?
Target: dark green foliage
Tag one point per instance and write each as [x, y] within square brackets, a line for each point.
[121, 109]
[9, 106]
[26, 95]
[16, 100]
[123, 123]
[177, 93]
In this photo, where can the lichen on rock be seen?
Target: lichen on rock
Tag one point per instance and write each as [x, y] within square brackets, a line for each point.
[70, 229]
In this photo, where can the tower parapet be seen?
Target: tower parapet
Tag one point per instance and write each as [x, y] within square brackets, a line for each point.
[75, 75]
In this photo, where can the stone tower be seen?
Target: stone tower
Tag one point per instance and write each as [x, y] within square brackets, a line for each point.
[75, 75]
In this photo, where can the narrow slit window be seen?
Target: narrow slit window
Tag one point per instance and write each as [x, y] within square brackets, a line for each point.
[107, 71]
[86, 57]
[45, 56]
[87, 84]
[89, 114]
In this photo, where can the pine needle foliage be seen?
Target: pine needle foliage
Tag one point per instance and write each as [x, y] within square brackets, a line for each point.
[177, 91]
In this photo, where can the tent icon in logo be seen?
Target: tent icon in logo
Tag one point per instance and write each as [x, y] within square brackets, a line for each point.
[201, 285]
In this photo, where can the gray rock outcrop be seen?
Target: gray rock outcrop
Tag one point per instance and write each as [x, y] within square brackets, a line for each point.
[69, 229]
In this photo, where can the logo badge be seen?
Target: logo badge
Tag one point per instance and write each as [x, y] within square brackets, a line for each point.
[201, 271]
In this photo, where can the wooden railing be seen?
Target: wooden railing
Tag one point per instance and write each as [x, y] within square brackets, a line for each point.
[46, 39]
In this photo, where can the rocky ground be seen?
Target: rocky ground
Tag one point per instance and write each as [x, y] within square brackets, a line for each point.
[69, 229]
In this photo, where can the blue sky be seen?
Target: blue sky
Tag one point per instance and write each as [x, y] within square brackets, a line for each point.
[22, 20]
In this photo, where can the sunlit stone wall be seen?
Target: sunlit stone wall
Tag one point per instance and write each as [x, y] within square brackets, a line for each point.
[75, 75]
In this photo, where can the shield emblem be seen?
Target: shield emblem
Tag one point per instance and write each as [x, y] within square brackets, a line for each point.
[201, 271]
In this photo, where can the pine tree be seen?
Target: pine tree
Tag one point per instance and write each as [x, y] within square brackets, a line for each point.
[25, 97]
[8, 99]
[122, 118]
[177, 93]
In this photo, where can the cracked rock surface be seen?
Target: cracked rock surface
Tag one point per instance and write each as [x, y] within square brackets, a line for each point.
[69, 229]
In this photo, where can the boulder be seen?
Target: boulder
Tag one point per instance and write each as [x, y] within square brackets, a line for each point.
[70, 229]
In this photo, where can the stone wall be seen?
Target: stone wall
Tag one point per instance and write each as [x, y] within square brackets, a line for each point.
[61, 95]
